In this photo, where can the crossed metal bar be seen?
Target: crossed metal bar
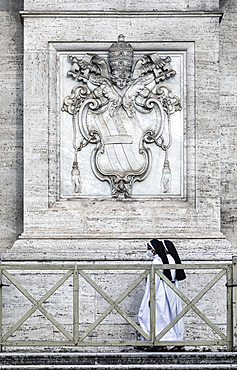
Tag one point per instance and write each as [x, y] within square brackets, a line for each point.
[37, 305]
[114, 304]
[191, 304]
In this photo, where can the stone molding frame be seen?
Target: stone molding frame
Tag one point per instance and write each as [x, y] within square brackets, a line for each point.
[185, 51]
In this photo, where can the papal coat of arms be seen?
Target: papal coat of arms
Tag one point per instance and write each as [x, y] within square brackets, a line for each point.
[121, 105]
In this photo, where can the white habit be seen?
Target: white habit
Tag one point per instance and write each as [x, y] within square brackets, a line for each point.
[168, 305]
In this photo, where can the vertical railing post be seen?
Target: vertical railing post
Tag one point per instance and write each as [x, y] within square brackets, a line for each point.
[75, 305]
[152, 304]
[229, 309]
[234, 267]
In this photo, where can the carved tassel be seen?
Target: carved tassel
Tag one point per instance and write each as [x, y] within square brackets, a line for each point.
[75, 178]
[166, 175]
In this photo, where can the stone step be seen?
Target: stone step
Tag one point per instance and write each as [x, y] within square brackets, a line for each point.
[122, 367]
[113, 361]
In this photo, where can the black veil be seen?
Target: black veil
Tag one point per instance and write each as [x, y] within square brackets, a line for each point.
[160, 250]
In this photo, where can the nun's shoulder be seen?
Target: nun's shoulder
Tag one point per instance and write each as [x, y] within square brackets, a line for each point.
[157, 260]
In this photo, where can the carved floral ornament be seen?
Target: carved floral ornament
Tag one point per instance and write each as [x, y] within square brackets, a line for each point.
[121, 106]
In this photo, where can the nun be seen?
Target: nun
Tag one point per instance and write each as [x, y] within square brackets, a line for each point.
[167, 302]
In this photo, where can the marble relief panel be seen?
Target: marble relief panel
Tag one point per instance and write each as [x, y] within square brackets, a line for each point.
[122, 123]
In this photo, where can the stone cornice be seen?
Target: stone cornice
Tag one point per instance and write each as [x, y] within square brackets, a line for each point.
[198, 234]
[119, 14]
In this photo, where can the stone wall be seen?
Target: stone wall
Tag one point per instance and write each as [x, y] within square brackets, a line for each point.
[106, 5]
[228, 117]
[11, 116]
[11, 122]
[115, 230]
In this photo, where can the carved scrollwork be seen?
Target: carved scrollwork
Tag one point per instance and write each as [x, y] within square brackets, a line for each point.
[73, 102]
[170, 102]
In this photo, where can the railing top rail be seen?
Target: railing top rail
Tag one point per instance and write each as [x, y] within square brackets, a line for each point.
[140, 266]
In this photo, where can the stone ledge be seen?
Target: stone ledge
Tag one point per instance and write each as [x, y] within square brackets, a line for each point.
[130, 14]
[114, 250]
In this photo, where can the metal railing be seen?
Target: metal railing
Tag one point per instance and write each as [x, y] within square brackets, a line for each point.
[81, 338]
